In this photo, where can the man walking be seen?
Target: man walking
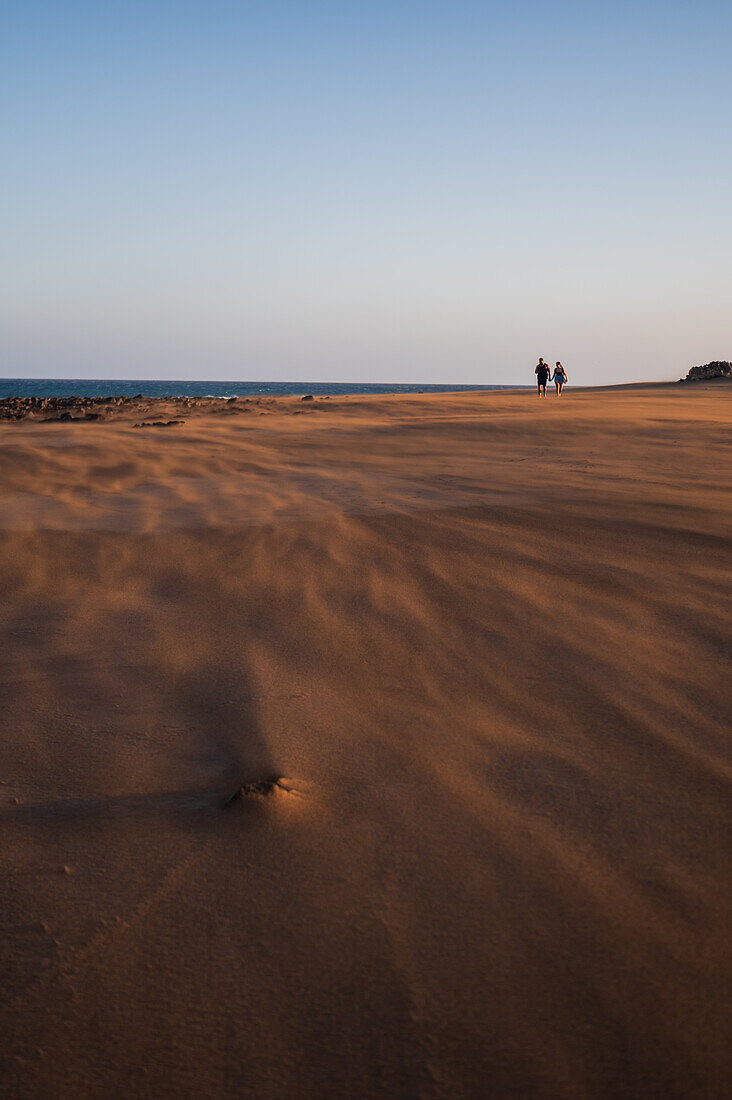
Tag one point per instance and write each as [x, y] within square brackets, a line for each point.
[542, 372]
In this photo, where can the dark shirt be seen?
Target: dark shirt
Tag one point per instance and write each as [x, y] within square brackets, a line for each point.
[542, 372]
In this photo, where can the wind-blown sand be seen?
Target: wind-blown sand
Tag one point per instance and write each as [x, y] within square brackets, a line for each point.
[481, 643]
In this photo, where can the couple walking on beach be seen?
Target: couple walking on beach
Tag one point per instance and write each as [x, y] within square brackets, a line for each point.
[543, 373]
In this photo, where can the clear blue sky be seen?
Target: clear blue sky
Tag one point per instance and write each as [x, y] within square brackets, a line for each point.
[412, 191]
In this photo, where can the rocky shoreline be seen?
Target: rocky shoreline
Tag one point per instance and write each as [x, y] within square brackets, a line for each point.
[64, 409]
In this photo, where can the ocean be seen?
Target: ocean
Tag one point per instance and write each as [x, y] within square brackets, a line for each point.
[106, 387]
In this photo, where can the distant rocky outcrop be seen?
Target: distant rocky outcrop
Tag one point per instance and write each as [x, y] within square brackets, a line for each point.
[717, 369]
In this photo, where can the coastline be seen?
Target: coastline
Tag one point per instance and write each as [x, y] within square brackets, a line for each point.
[100, 388]
[90, 407]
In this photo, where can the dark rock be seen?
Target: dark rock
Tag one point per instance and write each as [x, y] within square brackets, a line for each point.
[717, 369]
[157, 423]
[307, 397]
[260, 788]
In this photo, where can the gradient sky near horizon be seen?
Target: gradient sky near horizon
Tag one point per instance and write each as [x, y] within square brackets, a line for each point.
[379, 191]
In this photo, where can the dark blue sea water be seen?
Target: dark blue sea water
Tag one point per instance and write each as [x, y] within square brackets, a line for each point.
[105, 387]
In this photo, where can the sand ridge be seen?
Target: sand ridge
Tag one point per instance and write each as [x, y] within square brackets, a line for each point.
[485, 640]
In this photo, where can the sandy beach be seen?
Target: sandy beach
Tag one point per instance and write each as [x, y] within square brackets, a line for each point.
[465, 660]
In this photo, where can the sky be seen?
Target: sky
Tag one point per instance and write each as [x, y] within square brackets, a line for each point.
[380, 191]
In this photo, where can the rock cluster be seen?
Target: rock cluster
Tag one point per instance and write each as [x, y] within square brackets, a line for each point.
[57, 408]
[157, 423]
[44, 410]
[717, 369]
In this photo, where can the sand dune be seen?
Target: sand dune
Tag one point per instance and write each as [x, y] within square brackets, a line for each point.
[477, 644]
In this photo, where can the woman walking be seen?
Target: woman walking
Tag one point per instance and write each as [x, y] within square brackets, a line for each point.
[559, 377]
